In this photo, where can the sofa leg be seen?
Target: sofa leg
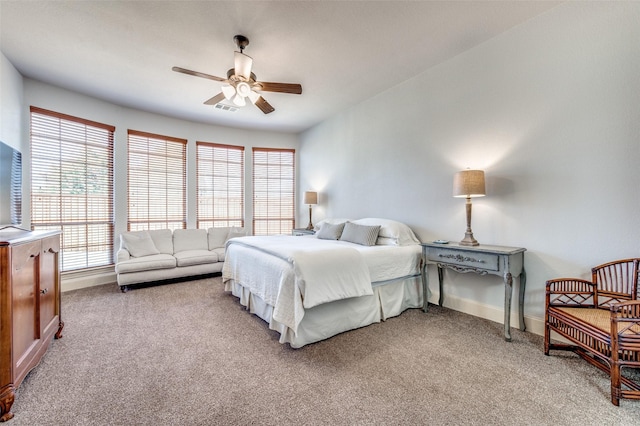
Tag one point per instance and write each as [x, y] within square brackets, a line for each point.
[124, 288]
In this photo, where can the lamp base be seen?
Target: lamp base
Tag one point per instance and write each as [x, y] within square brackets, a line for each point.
[310, 225]
[468, 240]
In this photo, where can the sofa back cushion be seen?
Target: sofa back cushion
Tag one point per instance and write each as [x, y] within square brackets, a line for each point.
[138, 243]
[163, 240]
[189, 239]
[218, 236]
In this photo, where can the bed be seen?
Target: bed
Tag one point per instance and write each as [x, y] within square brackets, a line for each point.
[308, 288]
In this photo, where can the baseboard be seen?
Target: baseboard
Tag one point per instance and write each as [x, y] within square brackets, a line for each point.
[533, 325]
[77, 281]
[471, 307]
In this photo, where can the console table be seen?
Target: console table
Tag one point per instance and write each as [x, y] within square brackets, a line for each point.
[482, 260]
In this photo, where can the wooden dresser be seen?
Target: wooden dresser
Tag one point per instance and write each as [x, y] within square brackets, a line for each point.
[29, 305]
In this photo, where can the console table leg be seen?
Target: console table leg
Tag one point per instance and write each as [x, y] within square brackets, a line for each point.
[523, 285]
[425, 287]
[440, 280]
[508, 290]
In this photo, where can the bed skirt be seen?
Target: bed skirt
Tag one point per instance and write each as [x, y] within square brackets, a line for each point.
[389, 299]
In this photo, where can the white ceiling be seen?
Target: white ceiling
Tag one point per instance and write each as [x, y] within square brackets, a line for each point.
[341, 52]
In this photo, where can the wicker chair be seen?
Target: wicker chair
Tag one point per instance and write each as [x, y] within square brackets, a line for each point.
[601, 319]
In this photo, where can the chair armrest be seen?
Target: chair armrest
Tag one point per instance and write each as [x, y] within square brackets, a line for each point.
[122, 255]
[625, 330]
[570, 292]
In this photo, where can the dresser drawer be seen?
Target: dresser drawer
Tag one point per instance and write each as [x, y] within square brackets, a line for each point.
[470, 259]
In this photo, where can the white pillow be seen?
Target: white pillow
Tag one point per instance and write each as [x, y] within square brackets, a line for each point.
[330, 231]
[333, 221]
[360, 234]
[391, 230]
[139, 243]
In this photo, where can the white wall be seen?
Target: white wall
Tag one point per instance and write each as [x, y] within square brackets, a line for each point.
[54, 98]
[11, 100]
[10, 129]
[548, 109]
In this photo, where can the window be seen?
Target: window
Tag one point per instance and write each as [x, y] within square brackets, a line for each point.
[157, 182]
[220, 185]
[72, 186]
[273, 191]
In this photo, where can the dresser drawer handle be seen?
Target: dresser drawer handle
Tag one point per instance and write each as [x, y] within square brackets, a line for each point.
[460, 258]
[44, 291]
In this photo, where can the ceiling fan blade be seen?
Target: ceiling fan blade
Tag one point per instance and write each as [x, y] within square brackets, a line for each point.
[198, 74]
[295, 89]
[217, 98]
[242, 65]
[264, 105]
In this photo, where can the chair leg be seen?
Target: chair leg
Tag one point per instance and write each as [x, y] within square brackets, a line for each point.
[615, 383]
[547, 335]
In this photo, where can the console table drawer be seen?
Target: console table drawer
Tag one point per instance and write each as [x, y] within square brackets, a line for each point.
[486, 261]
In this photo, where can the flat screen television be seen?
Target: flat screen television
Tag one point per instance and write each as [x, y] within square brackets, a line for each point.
[10, 186]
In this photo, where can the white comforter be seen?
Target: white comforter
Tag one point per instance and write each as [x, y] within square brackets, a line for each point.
[306, 271]
[324, 272]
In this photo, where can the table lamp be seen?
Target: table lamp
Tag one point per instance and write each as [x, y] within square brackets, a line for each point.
[469, 183]
[310, 198]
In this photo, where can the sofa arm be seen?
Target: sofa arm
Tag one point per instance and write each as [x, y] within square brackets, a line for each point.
[570, 292]
[122, 255]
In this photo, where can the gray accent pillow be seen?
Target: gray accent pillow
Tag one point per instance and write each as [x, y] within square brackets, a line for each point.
[360, 234]
[330, 231]
[139, 244]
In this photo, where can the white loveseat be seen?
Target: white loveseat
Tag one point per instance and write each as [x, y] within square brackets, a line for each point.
[155, 255]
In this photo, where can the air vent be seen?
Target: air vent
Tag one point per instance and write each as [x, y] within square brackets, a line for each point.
[225, 107]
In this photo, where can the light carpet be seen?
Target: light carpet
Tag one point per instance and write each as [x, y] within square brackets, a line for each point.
[188, 354]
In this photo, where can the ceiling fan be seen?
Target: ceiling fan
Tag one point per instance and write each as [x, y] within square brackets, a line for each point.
[241, 83]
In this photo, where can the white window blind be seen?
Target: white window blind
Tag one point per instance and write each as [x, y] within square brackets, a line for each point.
[72, 186]
[15, 191]
[157, 182]
[273, 191]
[220, 185]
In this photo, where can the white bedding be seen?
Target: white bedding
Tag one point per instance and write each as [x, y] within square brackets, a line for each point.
[324, 271]
[270, 274]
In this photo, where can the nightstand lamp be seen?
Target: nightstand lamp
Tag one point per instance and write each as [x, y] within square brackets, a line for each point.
[310, 198]
[469, 184]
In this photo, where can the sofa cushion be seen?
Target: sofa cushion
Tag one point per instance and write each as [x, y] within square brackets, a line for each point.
[139, 243]
[146, 263]
[189, 239]
[236, 232]
[163, 239]
[218, 236]
[195, 257]
[220, 252]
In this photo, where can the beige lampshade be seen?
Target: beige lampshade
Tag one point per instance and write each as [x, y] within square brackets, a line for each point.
[469, 183]
[310, 197]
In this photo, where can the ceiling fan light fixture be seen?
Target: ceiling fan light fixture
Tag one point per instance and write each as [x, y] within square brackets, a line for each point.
[239, 101]
[253, 97]
[243, 65]
[229, 91]
[243, 89]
